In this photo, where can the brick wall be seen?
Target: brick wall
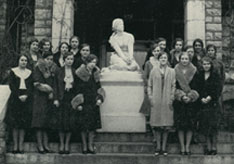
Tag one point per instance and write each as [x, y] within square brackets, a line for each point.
[43, 18]
[214, 24]
[228, 34]
[3, 11]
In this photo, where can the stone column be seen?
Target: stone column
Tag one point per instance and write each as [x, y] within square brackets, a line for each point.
[214, 24]
[63, 21]
[194, 20]
[43, 18]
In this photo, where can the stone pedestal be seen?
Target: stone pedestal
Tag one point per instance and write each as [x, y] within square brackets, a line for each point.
[124, 96]
[4, 96]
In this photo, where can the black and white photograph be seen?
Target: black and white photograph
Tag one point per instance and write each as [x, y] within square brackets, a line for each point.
[116, 81]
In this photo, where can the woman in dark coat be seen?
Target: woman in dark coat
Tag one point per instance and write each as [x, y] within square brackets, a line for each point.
[67, 82]
[176, 51]
[18, 116]
[83, 53]
[44, 89]
[90, 87]
[45, 45]
[209, 83]
[74, 44]
[199, 53]
[33, 53]
[58, 56]
[185, 104]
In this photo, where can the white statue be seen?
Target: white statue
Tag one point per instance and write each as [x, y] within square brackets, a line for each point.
[122, 42]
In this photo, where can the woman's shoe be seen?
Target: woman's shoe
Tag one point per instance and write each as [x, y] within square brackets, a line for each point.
[157, 152]
[84, 151]
[91, 151]
[48, 150]
[182, 153]
[14, 151]
[66, 152]
[40, 151]
[188, 153]
[164, 152]
[213, 152]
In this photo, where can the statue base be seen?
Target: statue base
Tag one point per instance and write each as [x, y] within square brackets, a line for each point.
[124, 96]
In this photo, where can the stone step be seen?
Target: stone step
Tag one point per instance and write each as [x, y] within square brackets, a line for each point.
[131, 147]
[226, 137]
[34, 158]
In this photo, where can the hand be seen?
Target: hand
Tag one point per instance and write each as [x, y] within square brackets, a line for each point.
[51, 96]
[99, 102]
[204, 101]
[56, 103]
[208, 98]
[79, 108]
[23, 98]
[186, 99]
[47, 87]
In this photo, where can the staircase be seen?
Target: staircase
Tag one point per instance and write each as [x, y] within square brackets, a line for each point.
[126, 148]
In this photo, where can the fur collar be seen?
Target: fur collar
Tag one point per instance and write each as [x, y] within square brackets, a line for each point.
[45, 69]
[185, 79]
[84, 75]
[153, 61]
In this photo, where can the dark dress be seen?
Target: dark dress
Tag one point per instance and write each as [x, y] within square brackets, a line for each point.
[173, 61]
[88, 85]
[185, 115]
[209, 113]
[56, 59]
[65, 113]
[19, 113]
[42, 105]
[31, 63]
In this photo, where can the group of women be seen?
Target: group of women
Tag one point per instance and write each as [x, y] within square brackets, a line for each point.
[58, 91]
[183, 89]
[62, 91]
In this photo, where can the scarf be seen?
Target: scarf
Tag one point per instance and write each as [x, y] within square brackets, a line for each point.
[46, 70]
[185, 79]
[84, 74]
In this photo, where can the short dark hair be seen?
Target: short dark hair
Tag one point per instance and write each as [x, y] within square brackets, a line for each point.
[62, 44]
[19, 56]
[90, 58]
[74, 36]
[198, 40]
[188, 47]
[31, 40]
[162, 53]
[207, 59]
[43, 41]
[84, 45]
[160, 39]
[209, 46]
[67, 54]
[178, 40]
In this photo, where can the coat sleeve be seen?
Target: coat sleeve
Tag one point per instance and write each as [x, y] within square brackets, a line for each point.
[12, 84]
[150, 85]
[173, 87]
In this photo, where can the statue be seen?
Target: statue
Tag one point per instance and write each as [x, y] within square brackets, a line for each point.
[123, 43]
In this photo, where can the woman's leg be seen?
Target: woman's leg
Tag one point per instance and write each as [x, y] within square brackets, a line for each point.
[15, 133]
[91, 142]
[189, 136]
[45, 140]
[164, 142]
[67, 141]
[84, 140]
[181, 140]
[39, 140]
[208, 141]
[214, 143]
[61, 139]
[21, 140]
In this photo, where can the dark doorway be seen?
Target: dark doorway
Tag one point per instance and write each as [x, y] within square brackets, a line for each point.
[146, 20]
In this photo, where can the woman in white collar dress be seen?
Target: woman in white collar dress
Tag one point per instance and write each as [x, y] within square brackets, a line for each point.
[18, 116]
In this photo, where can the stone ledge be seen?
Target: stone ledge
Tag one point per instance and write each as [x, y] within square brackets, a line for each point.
[32, 158]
